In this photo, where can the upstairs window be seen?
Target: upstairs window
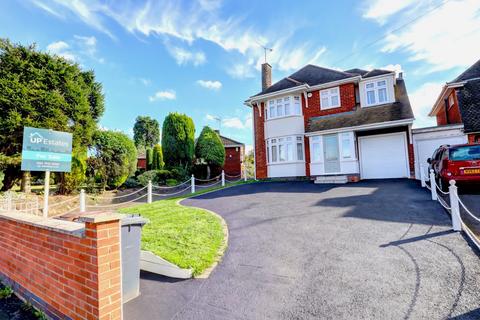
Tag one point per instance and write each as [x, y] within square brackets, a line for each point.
[284, 107]
[330, 98]
[376, 92]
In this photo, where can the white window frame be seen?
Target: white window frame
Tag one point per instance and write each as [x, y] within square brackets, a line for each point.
[316, 144]
[376, 89]
[329, 94]
[285, 148]
[293, 103]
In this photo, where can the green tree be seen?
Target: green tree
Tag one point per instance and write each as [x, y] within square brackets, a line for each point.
[149, 158]
[157, 162]
[209, 149]
[115, 157]
[45, 91]
[178, 140]
[146, 132]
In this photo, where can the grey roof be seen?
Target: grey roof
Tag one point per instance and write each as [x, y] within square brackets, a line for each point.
[399, 110]
[471, 73]
[229, 142]
[375, 72]
[357, 71]
[469, 102]
[311, 75]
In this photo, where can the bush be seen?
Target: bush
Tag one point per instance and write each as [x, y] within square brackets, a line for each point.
[171, 182]
[180, 173]
[156, 176]
[147, 176]
[210, 150]
[178, 140]
[2, 175]
[149, 158]
[157, 162]
[131, 183]
[116, 157]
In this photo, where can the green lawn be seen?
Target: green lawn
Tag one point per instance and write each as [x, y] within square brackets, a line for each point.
[188, 237]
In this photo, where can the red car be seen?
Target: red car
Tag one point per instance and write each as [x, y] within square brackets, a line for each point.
[459, 162]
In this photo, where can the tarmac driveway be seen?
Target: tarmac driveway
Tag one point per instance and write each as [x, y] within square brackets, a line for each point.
[369, 250]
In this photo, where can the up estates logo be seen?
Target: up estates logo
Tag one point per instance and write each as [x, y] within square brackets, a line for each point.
[37, 138]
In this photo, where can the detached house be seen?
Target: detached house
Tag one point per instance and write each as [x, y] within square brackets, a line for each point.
[459, 103]
[336, 126]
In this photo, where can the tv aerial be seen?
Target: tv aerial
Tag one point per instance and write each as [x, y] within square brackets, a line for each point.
[265, 50]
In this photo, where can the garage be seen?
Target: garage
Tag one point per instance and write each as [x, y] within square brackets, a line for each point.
[427, 140]
[383, 156]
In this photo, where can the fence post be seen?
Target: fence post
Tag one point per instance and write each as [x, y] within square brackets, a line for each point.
[9, 201]
[82, 201]
[223, 178]
[433, 185]
[193, 184]
[456, 220]
[422, 175]
[149, 191]
[244, 173]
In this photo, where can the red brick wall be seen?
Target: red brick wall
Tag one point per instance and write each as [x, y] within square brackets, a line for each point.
[454, 115]
[347, 103]
[233, 161]
[142, 164]
[260, 148]
[66, 275]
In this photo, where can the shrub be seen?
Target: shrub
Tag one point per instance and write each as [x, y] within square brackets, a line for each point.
[210, 150]
[149, 158]
[131, 182]
[6, 292]
[157, 162]
[2, 175]
[180, 173]
[150, 175]
[178, 140]
[163, 176]
[171, 182]
[116, 157]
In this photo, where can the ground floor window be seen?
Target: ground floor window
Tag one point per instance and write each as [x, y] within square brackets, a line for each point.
[285, 149]
[340, 146]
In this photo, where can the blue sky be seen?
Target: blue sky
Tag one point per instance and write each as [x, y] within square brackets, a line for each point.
[202, 57]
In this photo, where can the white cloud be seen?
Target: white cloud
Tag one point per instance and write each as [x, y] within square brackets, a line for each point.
[210, 117]
[183, 56]
[163, 95]
[433, 39]
[422, 101]
[61, 49]
[380, 10]
[234, 122]
[200, 20]
[211, 85]
[248, 148]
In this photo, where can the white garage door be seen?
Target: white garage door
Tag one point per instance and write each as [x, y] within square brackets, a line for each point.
[383, 156]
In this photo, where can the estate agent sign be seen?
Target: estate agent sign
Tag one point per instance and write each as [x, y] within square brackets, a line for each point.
[46, 150]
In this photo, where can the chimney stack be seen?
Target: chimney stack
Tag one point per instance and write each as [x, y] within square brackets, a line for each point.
[266, 76]
[400, 75]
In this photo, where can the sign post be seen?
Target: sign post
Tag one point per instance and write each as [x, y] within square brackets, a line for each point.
[46, 150]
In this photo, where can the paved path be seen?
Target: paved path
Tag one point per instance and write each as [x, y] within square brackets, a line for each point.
[370, 250]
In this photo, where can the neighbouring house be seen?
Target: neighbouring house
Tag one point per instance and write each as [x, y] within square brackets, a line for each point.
[234, 155]
[142, 161]
[336, 126]
[459, 103]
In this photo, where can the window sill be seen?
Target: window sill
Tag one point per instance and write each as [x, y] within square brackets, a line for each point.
[377, 105]
[285, 162]
[329, 108]
[286, 117]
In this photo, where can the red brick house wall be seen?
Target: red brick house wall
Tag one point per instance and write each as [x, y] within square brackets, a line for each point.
[454, 115]
[233, 161]
[78, 277]
[142, 163]
[260, 148]
[347, 103]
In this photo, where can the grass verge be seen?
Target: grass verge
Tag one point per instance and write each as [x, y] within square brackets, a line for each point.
[186, 236]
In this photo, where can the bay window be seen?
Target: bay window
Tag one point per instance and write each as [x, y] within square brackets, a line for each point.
[284, 107]
[285, 149]
[376, 92]
[330, 98]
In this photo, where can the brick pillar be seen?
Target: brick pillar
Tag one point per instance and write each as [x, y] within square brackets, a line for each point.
[260, 148]
[104, 233]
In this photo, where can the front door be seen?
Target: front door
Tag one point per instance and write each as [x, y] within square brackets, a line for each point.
[331, 153]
